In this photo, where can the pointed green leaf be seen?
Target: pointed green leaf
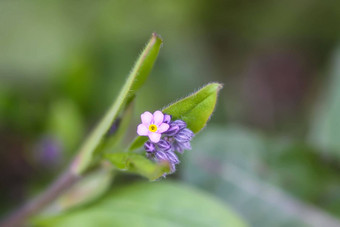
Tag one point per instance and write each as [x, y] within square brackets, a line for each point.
[195, 110]
[134, 81]
[138, 163]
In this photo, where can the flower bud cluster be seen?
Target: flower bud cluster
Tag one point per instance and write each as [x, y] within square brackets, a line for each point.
[176, 139]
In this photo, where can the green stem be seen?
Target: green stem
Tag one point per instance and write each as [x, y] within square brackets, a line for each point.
[20, 216]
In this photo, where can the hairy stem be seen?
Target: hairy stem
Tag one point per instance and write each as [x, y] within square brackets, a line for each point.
[20, 216]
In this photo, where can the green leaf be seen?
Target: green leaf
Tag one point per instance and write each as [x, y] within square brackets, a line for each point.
[195, 110]
[138, 142]
[134, 81]
[138, 163]
[151, 204]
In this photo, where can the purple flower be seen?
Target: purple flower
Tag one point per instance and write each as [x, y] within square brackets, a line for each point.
[152, 125]
[166, 137]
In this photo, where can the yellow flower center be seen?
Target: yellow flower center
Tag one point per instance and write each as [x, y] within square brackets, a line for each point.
[152, 128]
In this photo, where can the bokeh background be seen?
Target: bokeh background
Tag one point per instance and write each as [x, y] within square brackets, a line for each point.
[272, 148]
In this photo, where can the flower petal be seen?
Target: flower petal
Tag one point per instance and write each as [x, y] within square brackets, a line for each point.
[142, 130]
[146, 118]
[163, 127]
[158, 117]
[154, 137]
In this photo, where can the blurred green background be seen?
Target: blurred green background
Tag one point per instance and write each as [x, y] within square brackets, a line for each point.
[272, 148]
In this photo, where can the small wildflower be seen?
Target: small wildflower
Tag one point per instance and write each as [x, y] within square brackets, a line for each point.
[166, 137]
[152, 126]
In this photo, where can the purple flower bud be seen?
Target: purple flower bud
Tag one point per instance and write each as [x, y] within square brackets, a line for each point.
[149, 147]
[177, 148]
[181, 124]
[161, 156]
[163, 145]
[172, 167]
[181, 147]
[186, 146]
[184, 135]
[176, 138]
[173, 130]
[172, 157]
[169, 139]
[167, 118]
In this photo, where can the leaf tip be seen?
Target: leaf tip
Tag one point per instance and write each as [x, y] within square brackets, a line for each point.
[216, 85]
[220, 86]
[156, 37]
[154, 34]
